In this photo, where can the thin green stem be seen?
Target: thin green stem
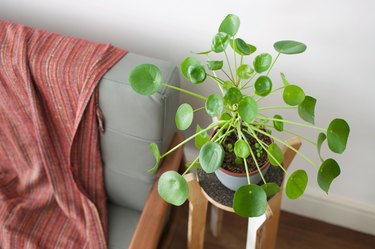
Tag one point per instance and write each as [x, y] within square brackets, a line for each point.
[272, 92]
[249, 80]
[218, 80]
[247, 171]
[263, 145]
[230, 68]
[277, 107]
[269, 70]
[293, 123]
[190, 166]
[289, 146]
[185, 91]
[192, 137]
[290, 132]
[198, 109]
[226, 74]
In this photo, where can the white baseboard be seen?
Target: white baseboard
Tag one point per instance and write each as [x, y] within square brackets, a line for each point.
[334, 210]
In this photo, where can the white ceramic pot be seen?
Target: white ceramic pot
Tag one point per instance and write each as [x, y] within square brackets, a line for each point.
[233, 181]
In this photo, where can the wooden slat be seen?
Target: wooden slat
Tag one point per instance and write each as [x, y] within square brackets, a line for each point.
[197, 213]
[151, 222]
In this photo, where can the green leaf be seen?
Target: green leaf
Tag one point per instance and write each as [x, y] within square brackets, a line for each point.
[296, 184]
[263, 85]
[215, 65]
[173, 188]
[328, 171]
[262, 62]
[293, 95]
[250, 201]
[244, 72]
[156, 153]
[204, 52]
[233, 96]
[211, 156]
[289, 47]
[271, 189]
[184, 116]
[230, 25]
[146, 79]
[241, 149]
[278, 125]
[321, 138]
[214, 105]
[225, 116]
[193, 70]
[227, 85]
[241, 47]
[220, 42]
[306, 109]
[202, 138]
[337, 135]
[248, 109]
[285, 82]
[277, 153]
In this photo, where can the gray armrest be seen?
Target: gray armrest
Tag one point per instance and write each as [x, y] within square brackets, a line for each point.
[131, 123]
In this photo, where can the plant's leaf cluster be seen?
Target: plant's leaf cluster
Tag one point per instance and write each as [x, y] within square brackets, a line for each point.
[239, 112]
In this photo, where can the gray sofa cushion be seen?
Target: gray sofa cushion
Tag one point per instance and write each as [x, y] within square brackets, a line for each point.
[121, 225]
[131, 123]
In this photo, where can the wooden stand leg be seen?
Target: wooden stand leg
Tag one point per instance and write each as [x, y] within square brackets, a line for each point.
[216, 220]
[197, 213]
[270, 228]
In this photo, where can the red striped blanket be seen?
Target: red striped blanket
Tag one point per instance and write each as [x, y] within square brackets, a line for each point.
[51, 178]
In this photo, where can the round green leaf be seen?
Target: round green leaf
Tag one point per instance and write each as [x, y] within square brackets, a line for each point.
[225, 116]
[214, 105]
[271, 189]
[220, 42]
[202, 138]
[248, 109]
[156, 153]
[328, 171]
[240, 47]
[193, 70]
[263, 85]
[196, 74]
[250, 201]
[211, 156]
[277, 157]
[173, 188]
[289, 47]
[230, 25]
[278, 125]
[227, 85]
[184, 116]
[262, 62]
[337, 135]
[244, 72]
[214, 65]
[296, 184]
[293, 95]
[306, 109]
[241, 149]
[233, 96]
[146, 79]
[321, 138]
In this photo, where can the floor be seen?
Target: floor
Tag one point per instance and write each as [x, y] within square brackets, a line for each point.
[295, 232]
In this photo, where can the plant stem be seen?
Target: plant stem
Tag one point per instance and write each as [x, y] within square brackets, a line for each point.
[269, 70]
[192, 137]
[277, 107]
[230, 68]
[291, 132]
[218, 80]
[198, 109]
[226, 74]
[191, 165]
[277, 89]
[249, 80]
[293, 123]
[262, 144]
[289, 146]
[247, 171]
[185, 91]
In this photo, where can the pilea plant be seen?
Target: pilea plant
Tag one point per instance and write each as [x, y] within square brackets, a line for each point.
[238, 113]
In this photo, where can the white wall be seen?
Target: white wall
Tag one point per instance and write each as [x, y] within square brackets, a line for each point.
[338, 67]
